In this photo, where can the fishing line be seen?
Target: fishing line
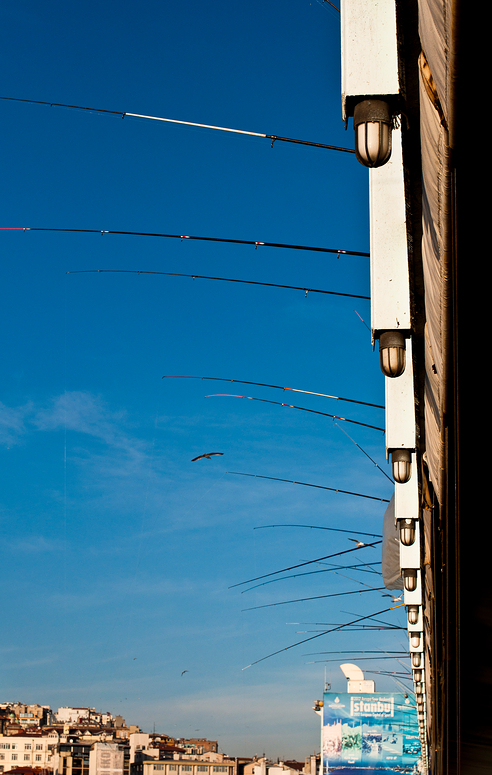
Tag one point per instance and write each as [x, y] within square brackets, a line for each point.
[319, 635]
[181, 237]
[317, 597]
[356, 581]
[386, 624]
[407, 676]
[352, 613]
[302, 564]
[123, 114]
[365, 453]
[307, 484]
[206, 277]
[278, 387]
[309, 573]
[301, 408]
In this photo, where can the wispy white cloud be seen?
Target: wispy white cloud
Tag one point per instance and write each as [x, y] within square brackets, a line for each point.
[35, 545]
[12, 423]
[84, 413]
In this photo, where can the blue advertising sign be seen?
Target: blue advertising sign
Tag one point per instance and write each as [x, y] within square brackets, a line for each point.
[369, 732]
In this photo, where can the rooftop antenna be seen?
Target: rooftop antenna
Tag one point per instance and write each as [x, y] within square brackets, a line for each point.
[327, 684]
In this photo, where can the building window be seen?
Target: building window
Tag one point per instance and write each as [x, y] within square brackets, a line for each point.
[158, 766]
[202, 768]
[27, 756]
[2, 756]
[39, 746]
[27, 747]
[14, 746]
[14, 757]
[38, 757]
[186, 768]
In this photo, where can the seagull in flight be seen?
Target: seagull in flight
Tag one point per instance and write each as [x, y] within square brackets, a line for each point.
[207, 455]
[184, 671]
[359, 543]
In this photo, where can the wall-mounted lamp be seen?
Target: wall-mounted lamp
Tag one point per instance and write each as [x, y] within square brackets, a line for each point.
[416, 659]
[407, 531]
[392, 353]
[415, 639]
[417, 675]
[409, 578]
[372, 125]
[401, 460]
[419, 688]
[413, 614]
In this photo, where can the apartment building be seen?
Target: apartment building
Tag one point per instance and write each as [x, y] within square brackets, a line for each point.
[30, 749]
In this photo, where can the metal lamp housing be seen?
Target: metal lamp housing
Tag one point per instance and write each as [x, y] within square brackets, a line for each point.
[409, 578]
[407, 531]
[392, 353]
[401, 460]
[372, 125]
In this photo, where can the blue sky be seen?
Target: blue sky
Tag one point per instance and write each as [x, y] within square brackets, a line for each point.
[118, 552]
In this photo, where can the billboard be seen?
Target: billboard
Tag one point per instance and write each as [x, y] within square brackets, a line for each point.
[368, 732]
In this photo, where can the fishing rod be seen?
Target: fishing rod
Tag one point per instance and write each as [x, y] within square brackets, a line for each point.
[316, 527]
[319, 635]
[302, 409]
[358, 651]
[307, 484]
[278, 387]
[123, 114]
[302, 564]
[355, 628]
[181, 237]
[206, 277]
[316, 597]
[310, 573]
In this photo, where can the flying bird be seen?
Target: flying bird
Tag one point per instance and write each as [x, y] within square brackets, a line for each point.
[184, 671]
[207, 455]
[359, 543]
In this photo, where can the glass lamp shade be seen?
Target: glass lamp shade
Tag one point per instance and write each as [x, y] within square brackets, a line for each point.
[392, 353]
[372, 125]
[413, 614]
[409, 578]
[416, 659]
[415, 639]
[401, 460]
[407, 531]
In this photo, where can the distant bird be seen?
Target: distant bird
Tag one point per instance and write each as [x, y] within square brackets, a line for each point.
[207, 455]
[185, 671]
[359, 543]
[394, 599]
